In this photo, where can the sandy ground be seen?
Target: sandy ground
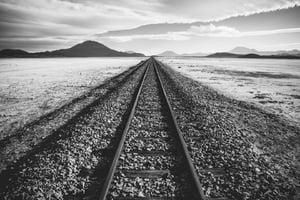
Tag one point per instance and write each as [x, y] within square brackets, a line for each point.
[248, 133]
[271, 84]
[258, 147]
[30, 88]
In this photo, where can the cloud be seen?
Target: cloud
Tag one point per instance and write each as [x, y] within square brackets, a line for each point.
[212, 31]
[204, 30]
[64, 17]
[73, 20]
[43, 19]
[290, 45]
[270, 32]
[224, 31]
[208, 10]
[168, 36]
[281, 19]
[208, 31]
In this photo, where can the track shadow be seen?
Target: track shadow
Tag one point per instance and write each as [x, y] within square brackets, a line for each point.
[18, 133]
[49, 143]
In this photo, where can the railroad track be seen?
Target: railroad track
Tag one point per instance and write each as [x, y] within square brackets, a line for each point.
[152, 160]
[127, 144]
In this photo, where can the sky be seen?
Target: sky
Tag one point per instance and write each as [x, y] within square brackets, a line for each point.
[150, 27]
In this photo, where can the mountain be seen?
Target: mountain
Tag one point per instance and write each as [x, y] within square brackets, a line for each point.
[223, 55]
[130, 52]
[173, 54]
[16, 53]
[245, 50]
[167, 54]
[278, 56]
[88, 49]
[251, 55]
[84, 49]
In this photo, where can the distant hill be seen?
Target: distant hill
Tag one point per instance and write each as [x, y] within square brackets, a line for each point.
[130, 52]
[282, 56]
[245, 50]
[84, 49]
[252, 55]
[223, 55]
[173, 54]
[15, 53]
[168, 53]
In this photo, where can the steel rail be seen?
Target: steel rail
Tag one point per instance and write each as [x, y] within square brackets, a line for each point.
[198, 187]
[114, 164]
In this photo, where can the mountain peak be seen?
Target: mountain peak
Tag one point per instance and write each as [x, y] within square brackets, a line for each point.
[168, 53]
[130, 52]
[89, 44]
[243, 50]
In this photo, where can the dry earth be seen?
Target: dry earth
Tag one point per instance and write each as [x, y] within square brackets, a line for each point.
[269, 144]
[258, 149]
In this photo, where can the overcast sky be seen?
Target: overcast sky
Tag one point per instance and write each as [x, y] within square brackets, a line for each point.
[179, 25]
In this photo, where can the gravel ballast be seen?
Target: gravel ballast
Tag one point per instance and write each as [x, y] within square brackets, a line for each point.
[157, 152]
[239, 151]
[256, 150]
[29, 137]
[72, 163]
